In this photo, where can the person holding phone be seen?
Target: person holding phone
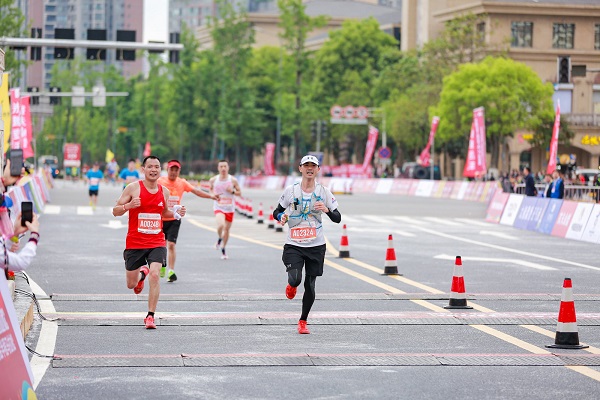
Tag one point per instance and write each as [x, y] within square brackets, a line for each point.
[18, 261]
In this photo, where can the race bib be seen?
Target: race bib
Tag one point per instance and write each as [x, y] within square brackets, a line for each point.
[225, 201]
[94, 181]
[172, 201]
[149, 224]
[303, 234]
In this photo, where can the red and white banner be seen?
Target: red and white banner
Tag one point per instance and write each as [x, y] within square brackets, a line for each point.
[425, 155]
[21, 130]
[554, 141]
[72, 155]
[370, 149]
[475, 164]
[147, 150]
[269, 159]
[17, 378]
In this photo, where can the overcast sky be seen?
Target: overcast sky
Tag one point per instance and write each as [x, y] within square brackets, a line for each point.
[156, 21]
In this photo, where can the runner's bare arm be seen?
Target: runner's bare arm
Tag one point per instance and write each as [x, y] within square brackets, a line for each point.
[203, 194]
[129, 199]
[236, 186]
[212, 185]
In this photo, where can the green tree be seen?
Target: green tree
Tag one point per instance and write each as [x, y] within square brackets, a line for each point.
[296, 26]
[512, 94]
[12, 23]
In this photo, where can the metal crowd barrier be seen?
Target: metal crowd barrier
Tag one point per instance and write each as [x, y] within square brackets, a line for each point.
[587, 194]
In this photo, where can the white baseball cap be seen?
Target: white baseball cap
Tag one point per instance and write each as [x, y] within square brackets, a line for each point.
[309, 158]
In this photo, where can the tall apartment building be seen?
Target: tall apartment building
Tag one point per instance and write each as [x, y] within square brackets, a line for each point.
[81, 15]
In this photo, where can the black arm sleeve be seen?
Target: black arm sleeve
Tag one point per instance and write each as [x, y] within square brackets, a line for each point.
[278, 211]
[335, 216]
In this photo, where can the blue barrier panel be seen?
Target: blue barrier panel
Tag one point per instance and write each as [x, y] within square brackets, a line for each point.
[547, 223]
[538, 212]
[525, 214]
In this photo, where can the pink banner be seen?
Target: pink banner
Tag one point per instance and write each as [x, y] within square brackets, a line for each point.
[371, 143]
[21, 130]
[72, 155]
[425, 155]
[554, 141]
[269, 162]
[475, 165]
[147, 150]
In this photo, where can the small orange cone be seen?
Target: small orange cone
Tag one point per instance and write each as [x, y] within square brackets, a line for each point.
[458, 297]
[261, 217]
[391, 266]
[271, 224]
[344, 249]
[567, 336]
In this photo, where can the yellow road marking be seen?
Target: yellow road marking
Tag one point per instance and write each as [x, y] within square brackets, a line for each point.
[546, 332]
[590, 373]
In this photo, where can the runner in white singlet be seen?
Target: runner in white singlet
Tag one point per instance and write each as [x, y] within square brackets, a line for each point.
[226, 187]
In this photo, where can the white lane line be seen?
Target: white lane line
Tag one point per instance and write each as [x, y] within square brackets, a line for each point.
[85, 210]
[379, 220]
[51, 209]
[352, 220]
[499, 260]
[382, 231]
[475, 222]
[498, 235]
[508, 249]
[409, 220]
[442, 221]
[403, 233]
[47, 339]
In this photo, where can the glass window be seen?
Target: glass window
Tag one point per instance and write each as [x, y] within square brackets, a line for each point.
[563, 36]
[566, 97]
[522, 34]
[597, 37]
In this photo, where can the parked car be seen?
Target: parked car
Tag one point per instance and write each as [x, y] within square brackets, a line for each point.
[589, 173]
[50, 162]
[413, 170]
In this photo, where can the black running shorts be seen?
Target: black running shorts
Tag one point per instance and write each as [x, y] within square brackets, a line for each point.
[171, 230]
[312, 258]
[93, 192]
[135, 258]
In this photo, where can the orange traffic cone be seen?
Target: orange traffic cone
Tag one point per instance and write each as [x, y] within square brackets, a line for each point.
[344, 249]
[567, 336]
[260, 217]
[271, 224]
[458, 297]
[391, 266]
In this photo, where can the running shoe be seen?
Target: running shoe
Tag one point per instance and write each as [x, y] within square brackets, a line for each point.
[224, 257]
[172, 276]
[163, 271]
[140, 285]
[290, 291]
[218, 245]
[149, 322]
[302, 329]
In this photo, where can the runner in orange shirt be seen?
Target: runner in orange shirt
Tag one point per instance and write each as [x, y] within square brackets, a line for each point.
[177, 187]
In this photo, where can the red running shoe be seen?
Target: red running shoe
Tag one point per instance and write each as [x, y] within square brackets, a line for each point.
[149, 321]
[140, 285]
[302, 329]
[290, 292]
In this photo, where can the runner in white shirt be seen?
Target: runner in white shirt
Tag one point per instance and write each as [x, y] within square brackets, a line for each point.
[226, 187]
[302, 206]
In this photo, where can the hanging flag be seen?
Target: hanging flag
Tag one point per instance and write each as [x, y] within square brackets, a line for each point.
[26, 140]
[425, 155]
[475, 164]
[147, 150]
[554, 141]
[109, 156]
[371, 143]
[269, 155]
[20, 135]
[5, 107]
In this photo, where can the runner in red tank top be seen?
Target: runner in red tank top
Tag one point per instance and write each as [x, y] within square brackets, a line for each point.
[145, 243]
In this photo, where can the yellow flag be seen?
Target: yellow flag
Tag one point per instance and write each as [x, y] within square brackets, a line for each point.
[5, 105]
[109, 156]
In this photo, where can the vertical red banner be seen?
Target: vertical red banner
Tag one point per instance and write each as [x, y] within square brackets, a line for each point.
[269, 159]
[371, 143]
[147, 150]
[21, 129]
[476, 164]
[425, 154]
[554, 142]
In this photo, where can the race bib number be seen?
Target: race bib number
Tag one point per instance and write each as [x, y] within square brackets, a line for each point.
[225, 201]
[172, 201]
[94, 181]
[303, 234]
[149, 224]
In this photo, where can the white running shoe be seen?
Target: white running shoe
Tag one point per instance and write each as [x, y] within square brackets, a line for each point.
[224, 257]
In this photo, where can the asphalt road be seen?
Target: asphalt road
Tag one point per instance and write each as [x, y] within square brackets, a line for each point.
[226, 330]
